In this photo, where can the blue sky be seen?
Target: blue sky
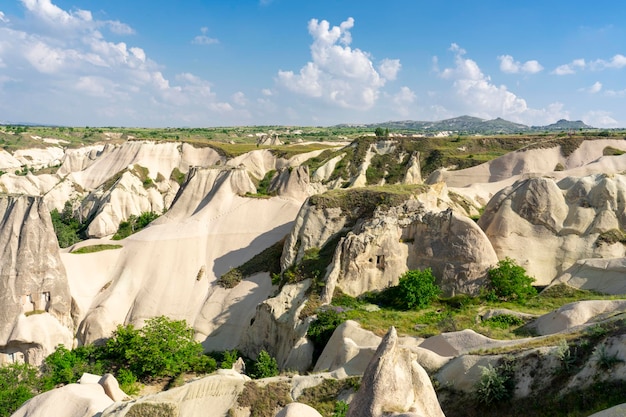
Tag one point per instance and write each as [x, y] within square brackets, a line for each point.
[297, 62]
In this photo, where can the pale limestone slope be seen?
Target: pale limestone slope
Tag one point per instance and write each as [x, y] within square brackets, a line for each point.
[171, 267]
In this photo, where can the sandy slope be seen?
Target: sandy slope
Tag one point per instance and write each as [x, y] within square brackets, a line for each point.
[171, 267]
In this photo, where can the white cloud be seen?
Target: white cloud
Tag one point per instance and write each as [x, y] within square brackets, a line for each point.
[3, 18]
[63, 56]
[615, 93]
[600, 118]
[616, 62]
[478, 96]
[402, 101]
[570, 68]
[337, 73]
[510, 66]
[239, 98]
[204, 39]
[266, 92]
[593, 89]
[389, 68]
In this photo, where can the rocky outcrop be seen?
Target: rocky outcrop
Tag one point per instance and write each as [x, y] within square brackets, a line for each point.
[576, 314]
[373, 248]
[607, 276]
[217, 393]
[35, 305]
[298, 410]
[128, 196]
[73, 400]
[278, 328]
[394, 384]
[547, 226]
[171, 268]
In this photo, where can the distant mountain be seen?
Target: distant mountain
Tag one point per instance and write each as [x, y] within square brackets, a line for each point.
[475, 125]
[564, 125]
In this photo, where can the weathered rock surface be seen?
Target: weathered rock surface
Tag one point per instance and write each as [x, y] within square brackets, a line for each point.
[35, 306]
[172, 266]
[298, 410]
[607, 276]
[278, 329]
[217, 393]
[421, 232]
[73, 400]
[547, 226]
[127, 197]
[576, 314]
[394, 384]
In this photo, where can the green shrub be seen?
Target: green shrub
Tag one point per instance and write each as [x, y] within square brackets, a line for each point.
[493, 386]
[134, 224]
[65, 366]
[417, 289]
[161, 348]
[18, 384]
[128, 381]
[67, 228]
[265, 366]
[229, 357]
[509, 281]
[322, 328]
[504, 321]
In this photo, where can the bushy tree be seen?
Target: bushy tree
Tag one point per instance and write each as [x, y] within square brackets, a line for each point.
[265, 366]
[322, 328]
[18, 383]
[509, 281]
[161, 348]
[416, 289]
[65, 366]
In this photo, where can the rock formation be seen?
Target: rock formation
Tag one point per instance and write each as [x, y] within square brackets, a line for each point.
[394, 384]
[35, 307]
[547, 226]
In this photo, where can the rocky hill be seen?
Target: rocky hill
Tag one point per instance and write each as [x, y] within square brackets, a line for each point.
[468, 125]
[252, 249]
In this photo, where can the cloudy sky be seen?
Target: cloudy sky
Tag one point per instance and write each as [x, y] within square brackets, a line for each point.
[294, 62]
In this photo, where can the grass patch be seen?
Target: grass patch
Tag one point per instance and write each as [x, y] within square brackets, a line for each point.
[611, 151]
[611, 237]
[459, 313]
[96, 248]
[266, 261]
[323, 397]
[265, 401]
[361, 202]
[178, 176]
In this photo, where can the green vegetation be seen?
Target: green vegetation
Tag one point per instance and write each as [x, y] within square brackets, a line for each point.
[266, 400]
[162, 348]
[262, 187]
[323, 397]
[177, 176]
[495, 384]
[510, 282]
[361, 202]
[67, 228]
[18, 384]
[611, 237]
[416, 290]
[134, 224]
[322, 328]
[266, 261]
[265, 366]
[96, 248]
[611, 151]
